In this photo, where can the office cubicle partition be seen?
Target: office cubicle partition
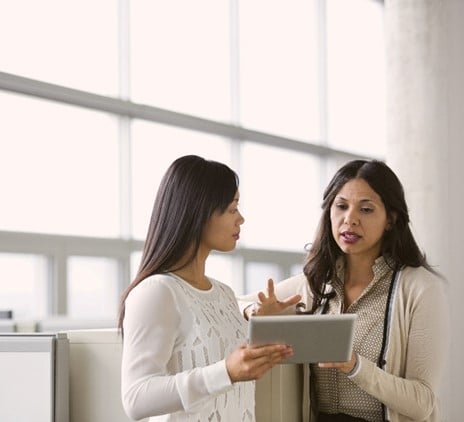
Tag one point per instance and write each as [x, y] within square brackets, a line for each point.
[7, 326]
[95, 376]
[75, 376]
[34, 377]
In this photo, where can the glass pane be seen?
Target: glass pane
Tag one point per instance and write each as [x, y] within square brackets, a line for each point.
[219, 266]
[296, 269]
[72, 43]
[58, 168]
[180, 56]
[23, 285]
[92, 287]
[279, 68]
[280, 197]
[258, 273]
[134, 263]
[154, 148]
[356, 76]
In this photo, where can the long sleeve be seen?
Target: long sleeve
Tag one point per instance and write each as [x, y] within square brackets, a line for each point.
[153, 327]
[420, 336]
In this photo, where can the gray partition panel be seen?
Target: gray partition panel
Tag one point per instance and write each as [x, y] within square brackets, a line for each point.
[7, 326]
[34, 378]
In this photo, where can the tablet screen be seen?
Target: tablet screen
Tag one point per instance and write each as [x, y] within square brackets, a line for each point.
[314, 338]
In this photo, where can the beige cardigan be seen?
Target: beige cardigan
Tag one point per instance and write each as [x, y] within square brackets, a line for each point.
[416, 350]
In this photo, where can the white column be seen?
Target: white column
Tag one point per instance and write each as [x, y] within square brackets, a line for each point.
[425, 145]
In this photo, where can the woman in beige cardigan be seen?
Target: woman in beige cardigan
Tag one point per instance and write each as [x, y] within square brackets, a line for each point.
[364, 260]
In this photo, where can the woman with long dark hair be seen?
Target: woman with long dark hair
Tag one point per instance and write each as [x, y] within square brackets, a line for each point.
[184, 340]
[364, 260]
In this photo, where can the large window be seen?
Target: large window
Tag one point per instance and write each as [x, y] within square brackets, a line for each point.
[154, 147]
[71, 43]
[98, 98]
[279, 76]
[59, 168]
[180, 56]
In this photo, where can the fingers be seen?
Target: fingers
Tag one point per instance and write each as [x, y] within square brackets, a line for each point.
[293, 300]
[270, 287]
[261, 359]
[250, 363]
[345, 367]
[270, 355]
[269, 349]
[262, 297]
[328, 364]
[269, 304]
[270, 292]
[341, 366]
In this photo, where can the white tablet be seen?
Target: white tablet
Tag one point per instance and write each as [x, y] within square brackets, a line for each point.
[314, 338]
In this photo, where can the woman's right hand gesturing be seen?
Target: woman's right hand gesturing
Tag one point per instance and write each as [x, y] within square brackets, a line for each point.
[250, 363]
[269, 304]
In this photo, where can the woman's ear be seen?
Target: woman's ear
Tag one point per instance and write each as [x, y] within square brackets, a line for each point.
[391, 220]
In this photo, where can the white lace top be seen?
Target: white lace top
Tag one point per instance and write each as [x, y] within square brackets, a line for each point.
[175, 340]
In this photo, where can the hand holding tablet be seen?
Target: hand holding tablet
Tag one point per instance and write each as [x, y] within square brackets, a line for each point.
[314, 338]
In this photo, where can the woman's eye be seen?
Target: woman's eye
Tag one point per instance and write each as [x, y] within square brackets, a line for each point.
[367, 210]
[341, 206]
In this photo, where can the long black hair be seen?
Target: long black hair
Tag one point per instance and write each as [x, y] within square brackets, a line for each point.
[399, 247]
[190, 192]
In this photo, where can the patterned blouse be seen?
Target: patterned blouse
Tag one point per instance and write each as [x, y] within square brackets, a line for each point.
[335, 392]
[176, 339]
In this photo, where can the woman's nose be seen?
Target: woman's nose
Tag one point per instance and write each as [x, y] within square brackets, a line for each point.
[241, 220]
[351, 218]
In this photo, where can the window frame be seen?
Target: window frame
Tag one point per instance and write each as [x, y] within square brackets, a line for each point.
[59, 248]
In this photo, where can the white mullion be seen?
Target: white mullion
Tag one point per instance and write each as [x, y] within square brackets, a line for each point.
[125, 144]
[321, 28]
[125, 180]
[235, 142]
[124, 49]
[234, 62]
[321, 25]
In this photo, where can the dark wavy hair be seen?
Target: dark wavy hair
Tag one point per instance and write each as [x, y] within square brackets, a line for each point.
[399, 247]
[190, 192]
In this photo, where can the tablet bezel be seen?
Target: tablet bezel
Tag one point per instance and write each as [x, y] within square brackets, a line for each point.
[314, 338]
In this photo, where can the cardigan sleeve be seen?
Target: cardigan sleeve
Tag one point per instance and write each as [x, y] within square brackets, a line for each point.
[151, 327]
[410, 389]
